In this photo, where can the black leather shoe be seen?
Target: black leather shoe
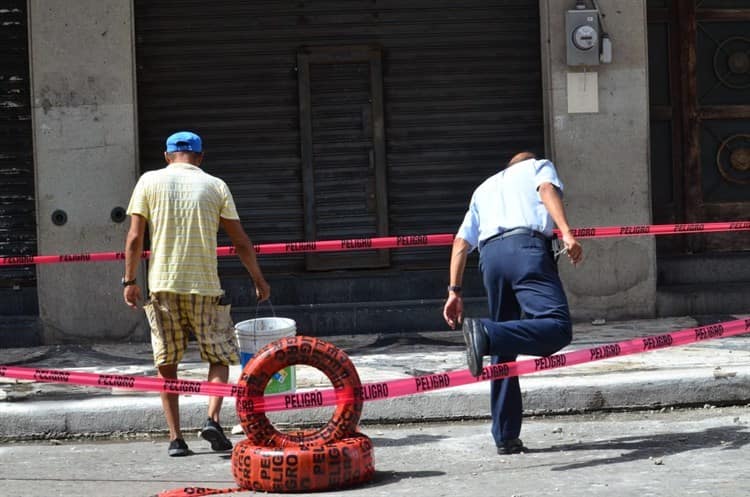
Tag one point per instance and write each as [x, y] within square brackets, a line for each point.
[514, 446]
[477, 344]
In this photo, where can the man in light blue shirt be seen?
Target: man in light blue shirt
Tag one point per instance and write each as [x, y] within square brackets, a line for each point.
[510, 219]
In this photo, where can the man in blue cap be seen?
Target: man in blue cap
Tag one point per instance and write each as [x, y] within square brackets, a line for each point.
[183, 207]
[510, 220]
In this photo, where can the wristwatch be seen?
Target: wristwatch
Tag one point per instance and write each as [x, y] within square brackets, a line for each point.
[127, 282]
[454, 288]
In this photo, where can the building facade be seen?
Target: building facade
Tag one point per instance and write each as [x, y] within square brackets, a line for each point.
[347, 119]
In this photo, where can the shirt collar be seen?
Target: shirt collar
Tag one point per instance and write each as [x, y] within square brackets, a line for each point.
[183, 165]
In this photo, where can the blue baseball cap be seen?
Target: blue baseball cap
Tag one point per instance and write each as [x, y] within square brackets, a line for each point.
[184, 141]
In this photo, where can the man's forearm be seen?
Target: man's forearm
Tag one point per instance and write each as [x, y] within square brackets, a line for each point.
[246, 253]
[459, 254]
[553, 202]
[133, 253]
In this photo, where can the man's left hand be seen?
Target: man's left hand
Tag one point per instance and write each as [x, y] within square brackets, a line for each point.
[453, 311]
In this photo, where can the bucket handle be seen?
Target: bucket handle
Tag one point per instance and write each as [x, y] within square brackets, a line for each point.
[257, 308]
[277, 375]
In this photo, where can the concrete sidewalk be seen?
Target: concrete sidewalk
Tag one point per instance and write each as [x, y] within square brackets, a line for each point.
[712, 372]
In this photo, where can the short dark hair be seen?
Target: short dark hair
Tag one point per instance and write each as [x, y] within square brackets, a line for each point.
[521, 156]
[186, 152]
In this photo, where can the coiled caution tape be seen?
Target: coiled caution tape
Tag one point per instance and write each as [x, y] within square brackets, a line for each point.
[404, 241]
[333, 456]
[304, 468]
[339, 464]
[330, 360]
[268, 460]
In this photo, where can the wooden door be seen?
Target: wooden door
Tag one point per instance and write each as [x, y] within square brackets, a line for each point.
[699, 62]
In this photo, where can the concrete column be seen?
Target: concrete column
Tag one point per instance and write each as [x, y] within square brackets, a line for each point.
[83, 98]
[603, 159]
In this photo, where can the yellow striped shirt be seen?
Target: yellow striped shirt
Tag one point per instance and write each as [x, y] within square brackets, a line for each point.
[183, 204]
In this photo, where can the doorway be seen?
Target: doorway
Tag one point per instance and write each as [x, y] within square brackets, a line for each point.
[699, 71]
[342, 136]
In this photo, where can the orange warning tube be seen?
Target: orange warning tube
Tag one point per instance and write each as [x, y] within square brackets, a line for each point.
[303, 468]
[288, 351]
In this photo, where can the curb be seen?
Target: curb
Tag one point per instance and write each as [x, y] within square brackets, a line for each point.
[631, 391]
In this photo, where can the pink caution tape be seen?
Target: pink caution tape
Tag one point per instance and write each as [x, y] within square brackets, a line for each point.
[386, 389]
[389, 242]
[197, 491]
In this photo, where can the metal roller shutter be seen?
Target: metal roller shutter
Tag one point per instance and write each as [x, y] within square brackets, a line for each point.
[17, 209]
[461, 87]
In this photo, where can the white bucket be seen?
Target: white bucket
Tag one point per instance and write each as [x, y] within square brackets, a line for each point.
[254, 334]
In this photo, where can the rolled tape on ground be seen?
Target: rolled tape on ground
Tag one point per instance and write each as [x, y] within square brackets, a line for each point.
[303, 468]
[324, 356]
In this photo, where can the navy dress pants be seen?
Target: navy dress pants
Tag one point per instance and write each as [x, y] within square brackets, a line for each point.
[520, 276]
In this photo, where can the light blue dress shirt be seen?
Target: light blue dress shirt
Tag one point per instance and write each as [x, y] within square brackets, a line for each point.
[510, 199]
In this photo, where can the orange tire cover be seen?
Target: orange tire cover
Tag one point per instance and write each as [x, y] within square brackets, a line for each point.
[330, 360]
[303, 468]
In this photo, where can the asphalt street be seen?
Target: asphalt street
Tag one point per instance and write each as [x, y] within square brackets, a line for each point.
[662, 453]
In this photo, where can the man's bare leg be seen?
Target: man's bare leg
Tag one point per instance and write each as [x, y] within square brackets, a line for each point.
[216, 373]
[170, 402]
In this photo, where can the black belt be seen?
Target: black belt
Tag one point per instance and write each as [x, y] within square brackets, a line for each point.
[515, 232]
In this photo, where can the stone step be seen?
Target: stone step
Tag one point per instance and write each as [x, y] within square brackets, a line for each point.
[19, 331]
[704, 298]
[704, 268]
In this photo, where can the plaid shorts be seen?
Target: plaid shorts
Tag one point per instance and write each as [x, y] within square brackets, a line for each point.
[174, 316]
